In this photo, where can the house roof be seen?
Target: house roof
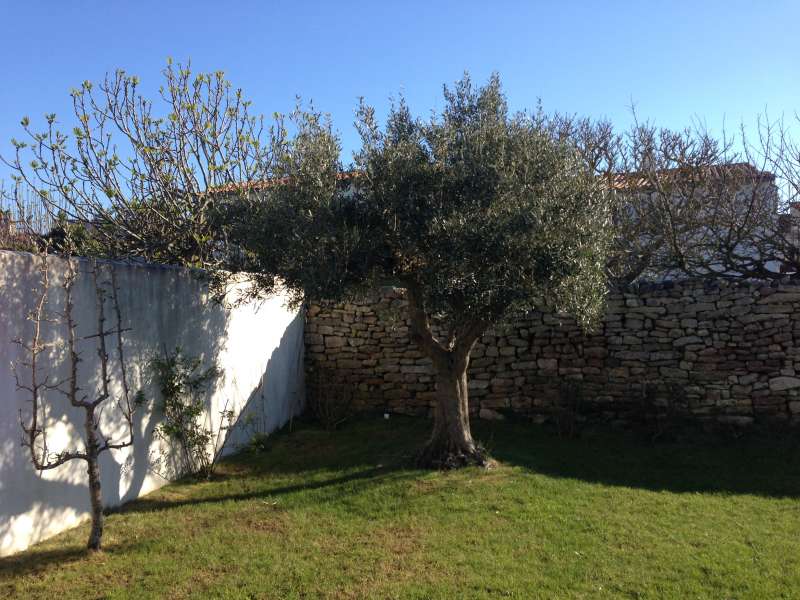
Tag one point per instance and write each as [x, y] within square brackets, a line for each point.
[642, 180]
[263, 184]
[619, 181]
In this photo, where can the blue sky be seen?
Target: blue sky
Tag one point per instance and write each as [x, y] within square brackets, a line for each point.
[717, 61]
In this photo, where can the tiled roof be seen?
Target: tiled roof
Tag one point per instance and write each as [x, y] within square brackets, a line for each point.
[263, 184]
[643, 181]
[619, 181]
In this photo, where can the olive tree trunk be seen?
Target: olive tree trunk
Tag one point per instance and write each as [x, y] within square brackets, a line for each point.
[451, 444]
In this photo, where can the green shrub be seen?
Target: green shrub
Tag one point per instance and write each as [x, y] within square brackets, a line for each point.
[182, 382]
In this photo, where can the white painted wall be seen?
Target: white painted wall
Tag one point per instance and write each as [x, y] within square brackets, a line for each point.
[258, 348]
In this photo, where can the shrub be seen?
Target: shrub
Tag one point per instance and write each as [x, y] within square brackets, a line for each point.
[182, 382]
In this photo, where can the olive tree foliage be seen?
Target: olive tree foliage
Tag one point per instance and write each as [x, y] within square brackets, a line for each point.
[138, 172]
[477, 213]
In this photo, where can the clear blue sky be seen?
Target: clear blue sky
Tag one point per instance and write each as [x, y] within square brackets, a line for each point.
[678, 60]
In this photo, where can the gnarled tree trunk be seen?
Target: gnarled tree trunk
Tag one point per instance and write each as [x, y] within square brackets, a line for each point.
[450, 445]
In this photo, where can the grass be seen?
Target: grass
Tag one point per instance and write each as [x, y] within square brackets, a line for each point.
[338, 515]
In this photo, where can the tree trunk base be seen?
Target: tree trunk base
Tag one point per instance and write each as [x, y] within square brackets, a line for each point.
[446, 455]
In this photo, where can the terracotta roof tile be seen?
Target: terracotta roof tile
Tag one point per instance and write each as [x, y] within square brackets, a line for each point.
[619, 181]
[643, 181]
[263, 184]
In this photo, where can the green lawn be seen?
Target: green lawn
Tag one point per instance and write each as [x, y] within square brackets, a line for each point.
[341, 515]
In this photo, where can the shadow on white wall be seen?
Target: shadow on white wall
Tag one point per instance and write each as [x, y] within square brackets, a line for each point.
[258, 348]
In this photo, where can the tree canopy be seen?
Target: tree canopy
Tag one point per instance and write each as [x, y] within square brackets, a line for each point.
[474, 211]
[479, 210]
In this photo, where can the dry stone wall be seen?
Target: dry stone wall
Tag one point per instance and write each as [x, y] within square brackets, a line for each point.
[728, 351]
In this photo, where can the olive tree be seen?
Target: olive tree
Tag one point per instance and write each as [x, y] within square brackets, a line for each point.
[477, 213]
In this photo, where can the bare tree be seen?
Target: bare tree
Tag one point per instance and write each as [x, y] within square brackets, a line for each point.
[775, 145]
[686, 202]
[23, 218]
[43, 388]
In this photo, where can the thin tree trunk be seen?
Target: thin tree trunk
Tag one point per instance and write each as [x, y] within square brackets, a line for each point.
[95, 490]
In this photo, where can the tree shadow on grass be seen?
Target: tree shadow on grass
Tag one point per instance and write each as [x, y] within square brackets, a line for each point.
[754, 464]
[373, 476]
[34, 561]
[374, 453]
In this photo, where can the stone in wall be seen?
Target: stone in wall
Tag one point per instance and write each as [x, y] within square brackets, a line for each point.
[720, 350]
